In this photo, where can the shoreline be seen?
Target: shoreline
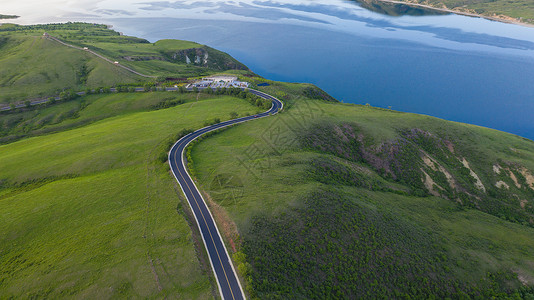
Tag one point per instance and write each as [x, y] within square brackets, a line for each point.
[457, 12]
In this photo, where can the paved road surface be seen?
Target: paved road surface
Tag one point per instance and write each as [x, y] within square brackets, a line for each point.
[229, 286]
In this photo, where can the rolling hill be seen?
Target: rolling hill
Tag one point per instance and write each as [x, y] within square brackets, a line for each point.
[331, 199]
[89, 209]
[35, 66]
[323, 200]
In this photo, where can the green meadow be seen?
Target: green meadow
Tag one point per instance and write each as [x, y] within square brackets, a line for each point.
[37, 67]
[33, 66]
[93, 212]
[63, 115]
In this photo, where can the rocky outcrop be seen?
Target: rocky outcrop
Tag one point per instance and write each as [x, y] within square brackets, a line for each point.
[206, 57]
[428, 164]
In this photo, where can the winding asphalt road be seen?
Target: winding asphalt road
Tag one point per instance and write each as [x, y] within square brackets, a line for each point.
[229, 286]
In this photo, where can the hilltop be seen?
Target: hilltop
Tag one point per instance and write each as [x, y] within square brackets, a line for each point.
[33, 65]
[324, 199]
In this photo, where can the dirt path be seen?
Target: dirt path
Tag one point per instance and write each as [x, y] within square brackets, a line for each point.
[100, 56]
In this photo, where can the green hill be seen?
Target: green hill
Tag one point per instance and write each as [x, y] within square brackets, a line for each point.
[329, 199]
[91, 211]
[33, 66]
[323, 200]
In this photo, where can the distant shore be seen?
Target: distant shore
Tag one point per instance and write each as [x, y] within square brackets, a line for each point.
[8, 17]
[508, 20]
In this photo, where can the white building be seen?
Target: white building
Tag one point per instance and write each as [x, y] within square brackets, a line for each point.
[216, 82]
[220, 78]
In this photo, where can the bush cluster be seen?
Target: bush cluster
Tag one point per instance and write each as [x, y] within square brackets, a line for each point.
[331, 246]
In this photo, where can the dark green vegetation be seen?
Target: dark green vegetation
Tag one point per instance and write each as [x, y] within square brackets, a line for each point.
[347, 201]
[429, 164]
[33, 66]
[8, 16]
[507, 10]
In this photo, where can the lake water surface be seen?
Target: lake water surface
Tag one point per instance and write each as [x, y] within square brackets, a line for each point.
[454, 67]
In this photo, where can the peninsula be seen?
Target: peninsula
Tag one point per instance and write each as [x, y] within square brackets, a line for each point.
[8, 16]
[517, 12]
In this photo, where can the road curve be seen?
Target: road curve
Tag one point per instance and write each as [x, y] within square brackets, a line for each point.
[229, 285]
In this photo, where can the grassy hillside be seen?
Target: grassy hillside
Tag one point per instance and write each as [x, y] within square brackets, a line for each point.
[63, 115]
[329, 199]
[511, 10]
[92, 212]
[522, 10]
[32, 65]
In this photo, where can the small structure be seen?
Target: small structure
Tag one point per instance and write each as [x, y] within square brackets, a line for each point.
[116, 62]
[85, 48]
[224, 78]
[46, 35]
[239, 84]
[221, 82]
[202, 84]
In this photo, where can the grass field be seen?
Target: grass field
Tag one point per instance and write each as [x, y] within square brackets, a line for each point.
[303, 218]
[92, 212]
[164, 57]
[65, 115]
[37, 67]
[33, 66]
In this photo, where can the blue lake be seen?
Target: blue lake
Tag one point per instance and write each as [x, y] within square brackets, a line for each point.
[453, 67]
